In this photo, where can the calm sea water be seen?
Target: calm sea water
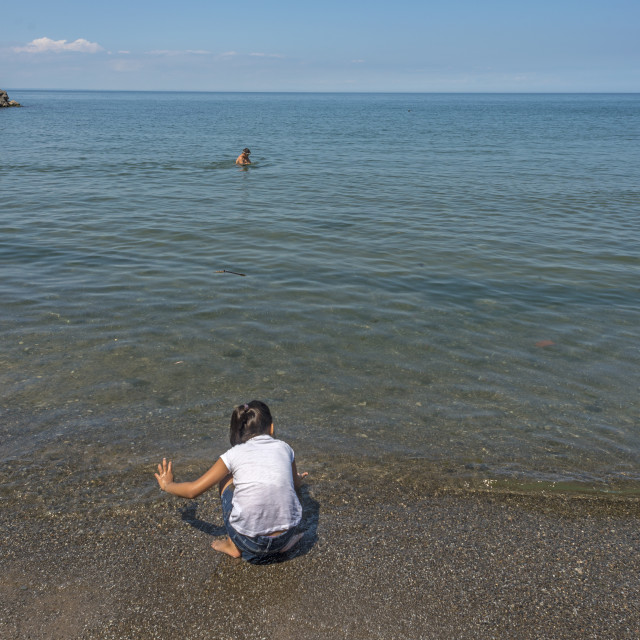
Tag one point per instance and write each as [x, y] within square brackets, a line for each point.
[450, 278]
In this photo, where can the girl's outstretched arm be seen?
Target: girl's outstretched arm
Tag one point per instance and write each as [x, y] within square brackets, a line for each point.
[190, 489]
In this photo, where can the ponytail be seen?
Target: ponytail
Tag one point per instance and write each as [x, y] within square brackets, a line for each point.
[249, 420]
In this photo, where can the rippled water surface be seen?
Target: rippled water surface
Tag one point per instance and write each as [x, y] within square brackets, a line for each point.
[453, 278]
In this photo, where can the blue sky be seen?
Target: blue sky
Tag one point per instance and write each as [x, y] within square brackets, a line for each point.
[396, 45]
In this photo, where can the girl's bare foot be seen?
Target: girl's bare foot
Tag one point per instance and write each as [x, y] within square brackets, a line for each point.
[226, 546]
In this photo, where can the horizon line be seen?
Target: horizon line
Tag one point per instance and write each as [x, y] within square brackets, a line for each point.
[325, 92]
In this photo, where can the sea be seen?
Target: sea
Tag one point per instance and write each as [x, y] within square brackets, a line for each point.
[448, 281]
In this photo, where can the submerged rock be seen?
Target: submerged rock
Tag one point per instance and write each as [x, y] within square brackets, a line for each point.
[5, 102]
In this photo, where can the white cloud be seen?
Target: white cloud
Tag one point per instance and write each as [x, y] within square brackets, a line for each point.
[177, 52]
[44, 45]
[125, 65]
[267, 55]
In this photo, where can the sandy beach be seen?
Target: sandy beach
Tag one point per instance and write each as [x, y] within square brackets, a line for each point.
[383, 557]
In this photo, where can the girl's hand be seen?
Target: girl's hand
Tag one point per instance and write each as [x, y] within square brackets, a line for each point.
[165, 474]
[298, 478]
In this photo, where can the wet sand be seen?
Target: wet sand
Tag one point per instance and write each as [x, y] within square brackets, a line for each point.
[383, 557]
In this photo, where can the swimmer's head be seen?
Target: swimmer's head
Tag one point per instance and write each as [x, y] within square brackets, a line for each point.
[246, 152]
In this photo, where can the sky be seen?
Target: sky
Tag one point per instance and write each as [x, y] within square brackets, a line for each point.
[328, 45]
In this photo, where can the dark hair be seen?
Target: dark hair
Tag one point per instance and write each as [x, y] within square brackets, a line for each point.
[249, 420]
[245, 150]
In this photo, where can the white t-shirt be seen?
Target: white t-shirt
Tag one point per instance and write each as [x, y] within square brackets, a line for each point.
[264, 499]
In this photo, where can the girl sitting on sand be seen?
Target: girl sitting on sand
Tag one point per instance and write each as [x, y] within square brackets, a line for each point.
[257, 479]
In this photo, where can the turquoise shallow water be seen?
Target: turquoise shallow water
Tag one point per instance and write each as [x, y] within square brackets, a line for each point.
[453, 278]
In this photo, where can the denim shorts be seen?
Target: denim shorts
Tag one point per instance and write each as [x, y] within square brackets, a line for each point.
[258, 549]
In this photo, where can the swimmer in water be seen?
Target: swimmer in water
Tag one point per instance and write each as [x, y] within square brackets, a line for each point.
[243, 158]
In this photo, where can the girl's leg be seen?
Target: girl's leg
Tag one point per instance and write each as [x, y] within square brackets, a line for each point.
[224, 483]
[226, 546]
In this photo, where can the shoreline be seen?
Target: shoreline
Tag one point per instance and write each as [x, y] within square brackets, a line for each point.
[391, 558]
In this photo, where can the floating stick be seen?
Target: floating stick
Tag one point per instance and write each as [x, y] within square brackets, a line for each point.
[235, 273]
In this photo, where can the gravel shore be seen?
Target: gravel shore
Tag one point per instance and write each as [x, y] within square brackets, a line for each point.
[382, 557]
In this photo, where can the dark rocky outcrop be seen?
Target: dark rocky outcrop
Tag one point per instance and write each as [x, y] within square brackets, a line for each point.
[5, 102]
